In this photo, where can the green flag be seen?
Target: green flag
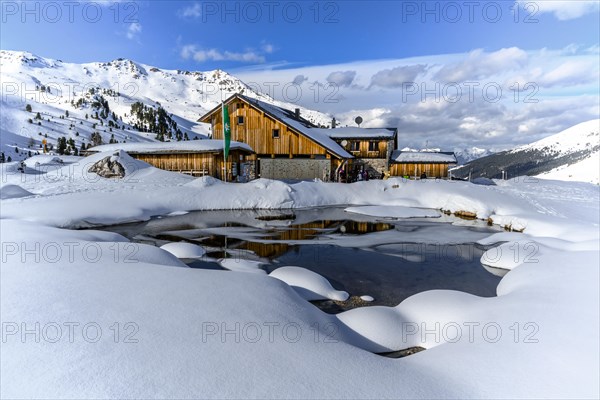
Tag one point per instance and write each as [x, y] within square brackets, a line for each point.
[226, 132]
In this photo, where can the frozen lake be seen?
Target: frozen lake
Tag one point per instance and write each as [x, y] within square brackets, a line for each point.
[388, 259]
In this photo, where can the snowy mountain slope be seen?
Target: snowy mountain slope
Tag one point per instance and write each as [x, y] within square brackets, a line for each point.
[585, 170]
[573, 151]
[464, 156]
[53, 88]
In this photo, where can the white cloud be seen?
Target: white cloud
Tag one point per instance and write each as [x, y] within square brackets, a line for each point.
[480, 65]
[523, 128]
[134, 30]
[396, 77]
[373, 117]
[570, 73]
[341, 78]
[201, 55]
[571, 49]
[267, 48]
[470, 123]
[193, 11]
[595, 49]
[559, 71]
[562, 9]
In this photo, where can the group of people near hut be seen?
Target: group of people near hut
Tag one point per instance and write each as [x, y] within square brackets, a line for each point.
[358, 174]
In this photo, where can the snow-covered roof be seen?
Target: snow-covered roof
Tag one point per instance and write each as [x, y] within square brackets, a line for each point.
[289, 118]
[194, 146]
[323, 136]
[399, 156]
[325, 141]
[299, 124]
[352, 132]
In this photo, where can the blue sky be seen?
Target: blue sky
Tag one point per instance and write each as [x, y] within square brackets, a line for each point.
[234, 35]
[360, 52]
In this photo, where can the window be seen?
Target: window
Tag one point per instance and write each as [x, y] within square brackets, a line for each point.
[354, 146]
[373, 146]
[240, 120]
[275, 133]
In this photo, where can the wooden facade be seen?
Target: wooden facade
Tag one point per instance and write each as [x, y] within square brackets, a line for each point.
[266, 135]
[275, 133]
[194, 157]
[368, 148]
[196, 164]
[413, 164]
[414, 170]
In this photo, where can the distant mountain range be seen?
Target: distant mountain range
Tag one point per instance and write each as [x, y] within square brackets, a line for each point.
[568, 155]
[44, 100]
[464, 156]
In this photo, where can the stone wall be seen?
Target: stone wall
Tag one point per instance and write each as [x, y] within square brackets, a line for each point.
[294, 168]
[374, 165]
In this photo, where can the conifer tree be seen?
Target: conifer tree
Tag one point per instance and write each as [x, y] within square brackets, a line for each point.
[61, 145]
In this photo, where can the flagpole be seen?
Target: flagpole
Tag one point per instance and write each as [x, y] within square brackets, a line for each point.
[224, 139]
[224, 145]
[226, 135]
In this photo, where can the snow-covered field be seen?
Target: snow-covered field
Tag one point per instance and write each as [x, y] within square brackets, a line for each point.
[584, 171]
[88, 314]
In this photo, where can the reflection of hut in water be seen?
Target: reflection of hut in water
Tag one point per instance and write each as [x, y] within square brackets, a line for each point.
[308, 232]
[360, 228]
[292, 233]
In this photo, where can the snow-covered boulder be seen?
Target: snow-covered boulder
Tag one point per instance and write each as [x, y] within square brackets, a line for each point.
[203, 182]
[241, 265]
[187, 252]
[309, 284]
[13, 192]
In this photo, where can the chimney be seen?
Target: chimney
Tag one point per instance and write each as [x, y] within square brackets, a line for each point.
[297, 113]
[333, 123]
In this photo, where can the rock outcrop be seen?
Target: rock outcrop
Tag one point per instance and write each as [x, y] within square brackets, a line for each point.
[108, 167]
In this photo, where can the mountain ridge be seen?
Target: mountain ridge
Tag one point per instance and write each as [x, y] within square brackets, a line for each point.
[563, 151]
[77, 100]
